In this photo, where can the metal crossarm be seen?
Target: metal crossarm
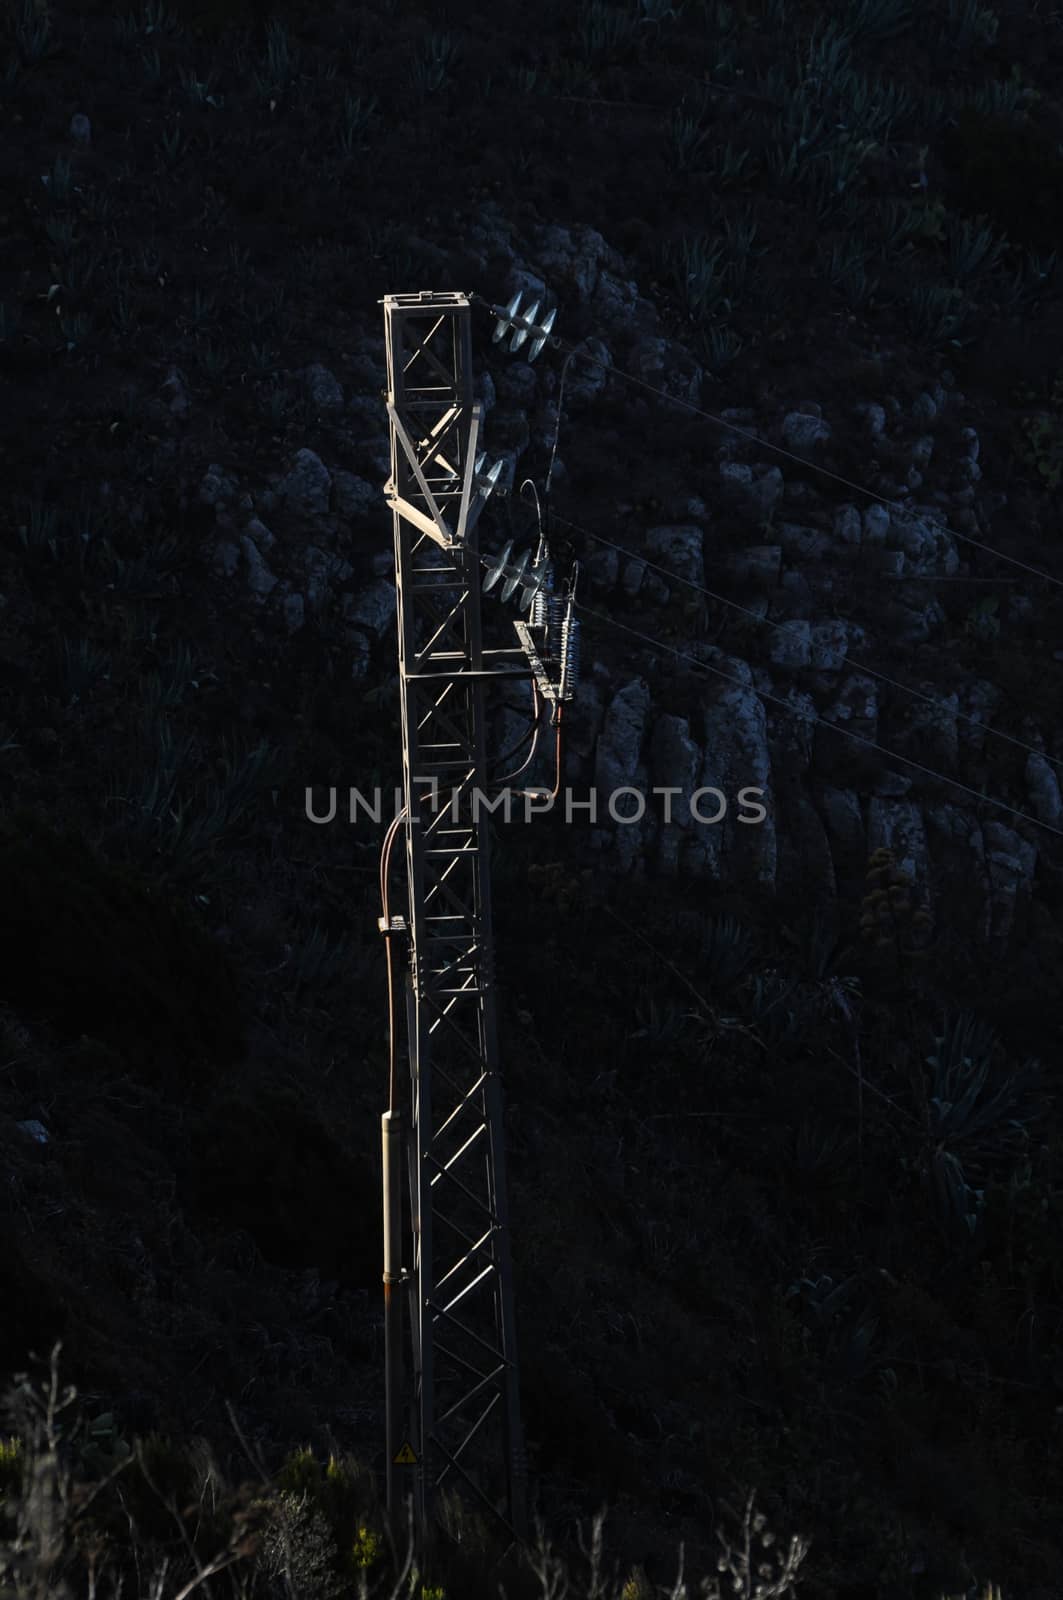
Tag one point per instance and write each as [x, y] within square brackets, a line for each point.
[462, 1394]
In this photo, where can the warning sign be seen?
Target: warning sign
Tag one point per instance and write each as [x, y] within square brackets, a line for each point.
[404, 1456]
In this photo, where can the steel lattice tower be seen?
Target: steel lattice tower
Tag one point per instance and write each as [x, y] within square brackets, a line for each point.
[462, 1384]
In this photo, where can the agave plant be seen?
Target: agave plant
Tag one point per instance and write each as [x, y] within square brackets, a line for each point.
[896, 221]
[873, 105]
[658, 11]
[847, 272]
[603, 29]
[156, 19]
[727, 950]
[972, 249]
[33, 33]
[818, 1148]
[959, 1207]
[771, 1017]
[699, 276]
[658, 1023]
[434, 66]
[741, 235]
[41, 527]
[1000, 97]
[823, 1298]
[731, 164]
[874, 21]
[148, 569]
[59, 182]
[167, 688]
[964, 1108]
[720, 347]
[969, 25]
[358, 112]
[687, 140]
[847, 1330]
[826, 55]
[937, 312]
[61, 234]
[81, 664]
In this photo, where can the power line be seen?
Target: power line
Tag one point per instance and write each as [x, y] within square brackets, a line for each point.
[858, 488]
[825, 472]
[753, 438]
[525, 325]
[814, 717]
[781, 627]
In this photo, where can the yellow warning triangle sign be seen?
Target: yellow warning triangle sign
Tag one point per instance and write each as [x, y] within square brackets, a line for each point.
[404, 1456]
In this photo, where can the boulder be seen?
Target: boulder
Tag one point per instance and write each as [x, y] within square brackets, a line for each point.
[518, 385]
[603, 568]
[737, 757]
[803, 544]
[791, 645]
[360, 652]
[306, 486]
[924, 409]
[803, 433]
[876, 523]
[574, 256]
[260, 580]
[874, 416]
[680, 550]
[759, 566]
[293, 608]
[675, 762]
[960, 875]
[805, 864]
[752, 491]
[1042, 785]
[668, 366]
[225, 558]
[927, 731]
[217, 487]
[1011, 861]
[897, 825]
[353, 498]
[828, 644]
[847, 525]
[634, 572]
[620, 741]
[844, 824]
[374, 608]
[587, 376]
[323, 388]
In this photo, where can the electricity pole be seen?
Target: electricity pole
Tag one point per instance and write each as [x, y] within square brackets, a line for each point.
[464, 1425]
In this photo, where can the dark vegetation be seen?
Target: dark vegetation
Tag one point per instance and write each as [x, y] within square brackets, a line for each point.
[786, 1187]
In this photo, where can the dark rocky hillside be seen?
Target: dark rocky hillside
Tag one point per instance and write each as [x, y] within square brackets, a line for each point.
[784, 1141]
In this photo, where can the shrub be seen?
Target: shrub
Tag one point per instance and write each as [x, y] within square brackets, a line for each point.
[892, 918]
[298, 1546]
[11, 1464]
[1043, 435]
